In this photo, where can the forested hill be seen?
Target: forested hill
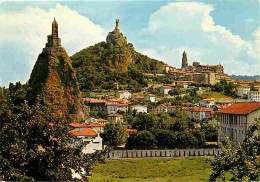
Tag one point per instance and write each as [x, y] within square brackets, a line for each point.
[245, 77]
[101, 65]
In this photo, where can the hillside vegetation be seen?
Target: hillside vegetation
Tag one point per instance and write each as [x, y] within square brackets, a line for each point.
[101, 65]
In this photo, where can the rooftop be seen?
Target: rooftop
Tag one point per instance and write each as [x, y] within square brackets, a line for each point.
[86, 132]
[241, 108]
[116, 115]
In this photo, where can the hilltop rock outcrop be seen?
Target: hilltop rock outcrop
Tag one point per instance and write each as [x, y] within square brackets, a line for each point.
[123, 58]
[54, 80]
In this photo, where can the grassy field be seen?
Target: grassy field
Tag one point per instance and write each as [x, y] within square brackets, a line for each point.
[153, 169]
[215, 95]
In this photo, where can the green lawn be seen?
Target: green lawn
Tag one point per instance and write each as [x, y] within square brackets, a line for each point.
[153, 169]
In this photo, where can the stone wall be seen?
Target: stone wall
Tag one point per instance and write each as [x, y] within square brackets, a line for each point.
[118, 154]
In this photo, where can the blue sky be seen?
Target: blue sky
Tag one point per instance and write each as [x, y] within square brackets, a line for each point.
[226, 32]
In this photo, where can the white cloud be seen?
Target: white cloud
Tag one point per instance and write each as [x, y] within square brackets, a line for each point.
[189, 26]
[24, 34]
[250, 20]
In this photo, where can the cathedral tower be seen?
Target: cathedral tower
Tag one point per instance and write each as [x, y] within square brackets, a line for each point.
[184, 63]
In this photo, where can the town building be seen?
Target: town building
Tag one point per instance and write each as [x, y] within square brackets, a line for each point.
[123, 94]
[116, 107]
[139, 108]
[243, 90]
[91, 138]
[236, 119]
[254, 96]
[98, 127]
[207, 102]
[165, 89]
[198, 113]
[116, 117]
[164, 108]
[149, 98]
[137, 97]
[95, 104]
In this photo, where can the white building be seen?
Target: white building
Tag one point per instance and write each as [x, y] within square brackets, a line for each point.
[91, 137]
[236, 119]
[163, 108]
[139, 108]
[198, 113]
[115, 107]
[243, 91]
[165, 90]
[124, 94]
[116, 117]
[97, 127]
[254, 96]
[149, 97]
[207, 103]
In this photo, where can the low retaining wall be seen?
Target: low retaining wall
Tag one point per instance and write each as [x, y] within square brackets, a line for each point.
[118, 154]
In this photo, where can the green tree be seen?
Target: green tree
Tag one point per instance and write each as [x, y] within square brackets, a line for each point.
[242, 162]
[36, 146]
[114, 134]
[166, 139]
[143, 139]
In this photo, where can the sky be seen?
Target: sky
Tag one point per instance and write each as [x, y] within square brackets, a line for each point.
[210, 31]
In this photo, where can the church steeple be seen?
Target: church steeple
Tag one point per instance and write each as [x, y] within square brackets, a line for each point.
[55, 29]
[53, 39]
[184, 63]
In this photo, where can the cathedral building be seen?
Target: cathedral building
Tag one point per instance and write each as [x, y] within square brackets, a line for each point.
[200, 73]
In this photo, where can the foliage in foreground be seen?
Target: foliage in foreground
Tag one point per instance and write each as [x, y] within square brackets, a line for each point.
[242, 162]
[34, 145]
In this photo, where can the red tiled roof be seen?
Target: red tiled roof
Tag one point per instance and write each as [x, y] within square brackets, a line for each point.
[79, 125]
[163, 105]
[255, 92]
[185, 108]
[116, 115]
[86, 132]
[241, 108]
[101, 120]
[131, 130]
[95, 125]
[139, 97]
[94, 100]
[200, 109]
[116, 104]
[244, 85]
[208, 100]
[85, 125]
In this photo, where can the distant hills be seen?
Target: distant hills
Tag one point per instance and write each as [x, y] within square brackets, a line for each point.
[101, 65]
[245, 77]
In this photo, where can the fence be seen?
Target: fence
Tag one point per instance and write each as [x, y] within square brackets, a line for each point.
[118, 154]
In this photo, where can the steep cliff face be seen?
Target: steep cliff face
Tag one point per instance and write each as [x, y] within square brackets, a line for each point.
[54, 81]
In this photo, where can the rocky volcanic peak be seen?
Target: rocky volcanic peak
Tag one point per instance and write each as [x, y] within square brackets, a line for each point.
[116, 37]
[53, 79]
[123, 59]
